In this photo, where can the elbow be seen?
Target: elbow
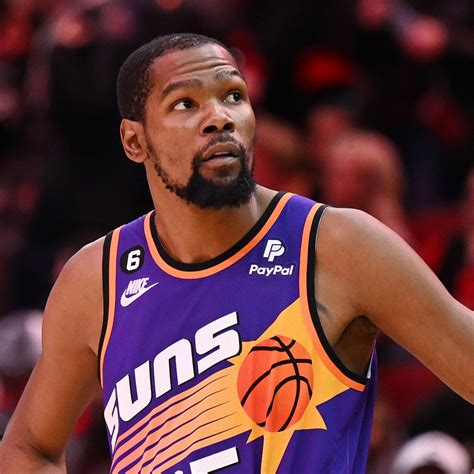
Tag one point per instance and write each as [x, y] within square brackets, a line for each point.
[16, 457]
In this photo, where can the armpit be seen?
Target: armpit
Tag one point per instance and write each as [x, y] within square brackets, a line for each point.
[366, 325]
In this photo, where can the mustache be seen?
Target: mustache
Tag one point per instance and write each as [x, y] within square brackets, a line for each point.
[221, 138]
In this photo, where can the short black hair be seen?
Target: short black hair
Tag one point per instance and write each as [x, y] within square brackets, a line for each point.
[133, 81]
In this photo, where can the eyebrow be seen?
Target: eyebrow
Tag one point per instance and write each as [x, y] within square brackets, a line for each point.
[197, 83]
[226, 74]
[186, 83]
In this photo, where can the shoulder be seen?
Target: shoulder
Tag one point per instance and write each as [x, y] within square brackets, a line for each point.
[362, 252]
[81, 276]
[343, 225]
[75, 304]
[377, 270]
[86, 264]
[353, 234]
[381, 277]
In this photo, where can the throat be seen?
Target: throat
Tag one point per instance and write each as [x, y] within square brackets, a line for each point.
[197, 236]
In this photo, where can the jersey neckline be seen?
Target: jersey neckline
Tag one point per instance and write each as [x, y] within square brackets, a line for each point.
[234, 253]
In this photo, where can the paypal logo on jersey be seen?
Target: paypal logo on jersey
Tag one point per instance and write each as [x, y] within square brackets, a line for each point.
[273, 248]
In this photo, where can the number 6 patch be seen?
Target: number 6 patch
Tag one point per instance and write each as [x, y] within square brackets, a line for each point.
[132, 260]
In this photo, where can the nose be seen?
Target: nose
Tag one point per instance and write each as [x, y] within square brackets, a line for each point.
[217, 121]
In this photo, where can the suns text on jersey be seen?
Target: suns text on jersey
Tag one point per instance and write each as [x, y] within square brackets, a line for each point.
[214, 343]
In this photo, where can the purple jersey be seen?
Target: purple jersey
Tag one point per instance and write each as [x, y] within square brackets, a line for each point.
[223, 365]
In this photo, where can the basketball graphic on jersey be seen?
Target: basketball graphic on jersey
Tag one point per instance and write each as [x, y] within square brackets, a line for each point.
[275, 383]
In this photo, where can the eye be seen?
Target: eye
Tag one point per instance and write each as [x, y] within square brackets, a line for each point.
[234, 97]
[183, 104]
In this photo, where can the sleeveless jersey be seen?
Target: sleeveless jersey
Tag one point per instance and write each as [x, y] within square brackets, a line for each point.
[223, 365]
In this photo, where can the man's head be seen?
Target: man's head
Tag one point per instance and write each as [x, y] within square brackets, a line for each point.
[187, 117]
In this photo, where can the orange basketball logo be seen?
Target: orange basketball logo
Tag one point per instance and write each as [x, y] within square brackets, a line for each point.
[275, 383]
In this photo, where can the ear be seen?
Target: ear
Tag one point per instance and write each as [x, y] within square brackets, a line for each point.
[133, 140]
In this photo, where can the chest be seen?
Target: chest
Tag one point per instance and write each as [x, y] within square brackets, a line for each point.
[154, 312]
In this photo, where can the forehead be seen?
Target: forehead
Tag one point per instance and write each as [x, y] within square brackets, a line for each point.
[189, 63]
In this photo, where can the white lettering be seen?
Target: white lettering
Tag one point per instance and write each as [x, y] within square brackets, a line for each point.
[133, 260]
[143, 283]
[253, 268]
[136, 286]
[215, 462]
[210, 342]
[128, 408]
[111, 418]
[227, 344]
[129, 290]
[182, 352]
[271, 271]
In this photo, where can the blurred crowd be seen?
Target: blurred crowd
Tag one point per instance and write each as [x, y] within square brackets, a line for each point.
[363, 103]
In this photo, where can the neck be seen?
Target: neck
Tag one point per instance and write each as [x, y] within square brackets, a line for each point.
[193, 235]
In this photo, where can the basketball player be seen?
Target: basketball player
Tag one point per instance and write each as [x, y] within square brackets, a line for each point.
[232, 328]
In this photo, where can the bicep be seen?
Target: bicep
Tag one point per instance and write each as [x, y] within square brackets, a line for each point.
[398, 292]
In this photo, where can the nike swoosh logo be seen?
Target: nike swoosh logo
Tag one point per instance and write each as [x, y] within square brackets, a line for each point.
[126, 300]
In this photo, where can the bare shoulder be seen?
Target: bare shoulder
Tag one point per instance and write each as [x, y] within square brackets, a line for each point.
[352, 245]
[75, 303]
[367, 252]
[86, 264]
[354, 230]
[383, 278]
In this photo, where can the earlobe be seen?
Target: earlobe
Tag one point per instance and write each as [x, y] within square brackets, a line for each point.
[131, 134]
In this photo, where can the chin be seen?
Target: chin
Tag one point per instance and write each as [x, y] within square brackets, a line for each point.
[225, 181]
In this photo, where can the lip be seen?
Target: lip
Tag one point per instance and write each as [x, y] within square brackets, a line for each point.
[229, 147]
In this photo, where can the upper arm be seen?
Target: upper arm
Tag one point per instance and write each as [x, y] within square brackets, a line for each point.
[65, 377]
[390, 284]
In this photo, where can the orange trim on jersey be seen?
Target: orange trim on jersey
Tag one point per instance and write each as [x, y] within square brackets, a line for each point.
[201, 438]
[112, 290]
[222, 265]
[177, 410]
[306, 309]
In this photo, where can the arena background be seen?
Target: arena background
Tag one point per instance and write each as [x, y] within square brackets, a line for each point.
[364, 103]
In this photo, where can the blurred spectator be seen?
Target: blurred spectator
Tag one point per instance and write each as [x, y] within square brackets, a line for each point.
[317, 72]
[432, 453]
[326, 124]
[385, 438]
[446, 242]
[20, 347]
[74, 127]
[253, 64]
[422, 37]
[363, 170]
[418, 78]
[404, 382]
[456, 270]
[16, 29]
[448, 412]
[280, 157]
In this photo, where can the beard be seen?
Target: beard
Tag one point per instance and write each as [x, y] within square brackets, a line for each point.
[207, 193]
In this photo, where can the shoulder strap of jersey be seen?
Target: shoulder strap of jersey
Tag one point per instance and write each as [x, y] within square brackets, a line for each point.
[308, 296]
[109, 263]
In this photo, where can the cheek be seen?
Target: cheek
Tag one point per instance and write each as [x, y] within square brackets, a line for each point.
[246, 123]
[251, 122]
[171, 142]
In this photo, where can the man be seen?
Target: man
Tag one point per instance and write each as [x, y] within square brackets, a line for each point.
[222, 338]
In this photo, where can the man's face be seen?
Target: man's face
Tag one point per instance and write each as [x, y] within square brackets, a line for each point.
[200, 127]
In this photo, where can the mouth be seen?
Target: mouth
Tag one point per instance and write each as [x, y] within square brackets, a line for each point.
[222, 152]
